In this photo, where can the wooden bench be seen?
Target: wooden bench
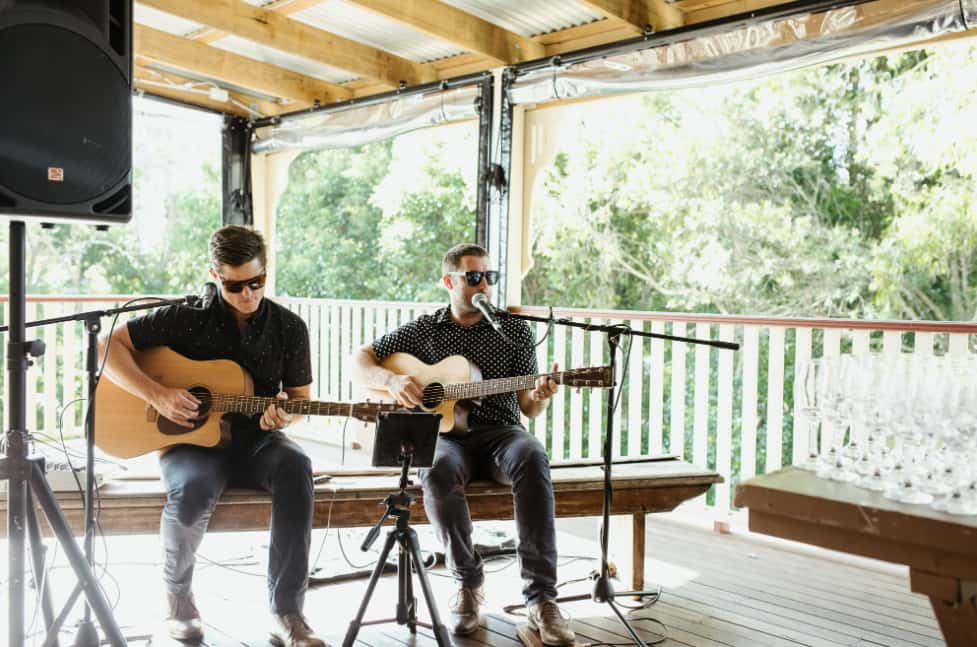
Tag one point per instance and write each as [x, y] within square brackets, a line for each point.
[353, 500]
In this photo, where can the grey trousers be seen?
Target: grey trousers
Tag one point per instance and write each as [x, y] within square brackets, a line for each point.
[510, 455]
[195, 478]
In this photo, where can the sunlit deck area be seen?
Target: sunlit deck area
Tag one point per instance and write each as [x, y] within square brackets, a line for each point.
[717, 590]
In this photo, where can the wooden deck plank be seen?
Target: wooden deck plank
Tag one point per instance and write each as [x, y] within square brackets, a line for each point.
[830, 578]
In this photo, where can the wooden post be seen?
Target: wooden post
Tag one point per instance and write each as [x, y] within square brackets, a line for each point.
[638, 550]
[954, 604]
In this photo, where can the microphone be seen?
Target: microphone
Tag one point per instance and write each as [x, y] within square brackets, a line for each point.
[206, 297]
[488, 310]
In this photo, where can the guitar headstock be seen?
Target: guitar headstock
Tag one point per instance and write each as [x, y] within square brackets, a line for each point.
[370, 411]
[596, 377]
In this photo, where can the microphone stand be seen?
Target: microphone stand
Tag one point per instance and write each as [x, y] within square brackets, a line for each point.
[603, 588]
[87, 635]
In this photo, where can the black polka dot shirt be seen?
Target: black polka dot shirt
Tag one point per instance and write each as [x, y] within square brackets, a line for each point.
[431, 338]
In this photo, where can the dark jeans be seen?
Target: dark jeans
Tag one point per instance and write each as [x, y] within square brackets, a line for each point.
[195, 478]
[510, 455]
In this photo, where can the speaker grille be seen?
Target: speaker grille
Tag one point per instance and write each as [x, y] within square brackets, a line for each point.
[65, 136]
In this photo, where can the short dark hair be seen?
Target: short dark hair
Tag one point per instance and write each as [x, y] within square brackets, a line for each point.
[452, 259]
[235, 245]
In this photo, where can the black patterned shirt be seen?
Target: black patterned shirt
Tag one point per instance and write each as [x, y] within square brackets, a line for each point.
[274, 347]
[433, 337]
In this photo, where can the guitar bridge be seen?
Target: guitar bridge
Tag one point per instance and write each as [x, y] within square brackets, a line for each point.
[152, 415]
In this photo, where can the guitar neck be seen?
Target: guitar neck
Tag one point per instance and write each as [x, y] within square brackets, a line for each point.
[475, 390]
[253, 404]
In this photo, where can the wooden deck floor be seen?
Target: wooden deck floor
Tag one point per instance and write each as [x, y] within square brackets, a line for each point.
[719, 590]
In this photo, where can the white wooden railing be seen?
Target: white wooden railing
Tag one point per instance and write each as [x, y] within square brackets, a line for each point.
[730, 411]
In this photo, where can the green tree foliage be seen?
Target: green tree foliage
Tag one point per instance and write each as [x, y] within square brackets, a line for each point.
[372, 222]
[843, 190]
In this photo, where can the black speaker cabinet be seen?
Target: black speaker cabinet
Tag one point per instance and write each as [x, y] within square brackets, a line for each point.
[66, 109]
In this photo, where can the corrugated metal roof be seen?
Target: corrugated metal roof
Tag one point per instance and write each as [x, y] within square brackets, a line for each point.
[277, 57]
[370, 28]
[163, 21]
[528, 17]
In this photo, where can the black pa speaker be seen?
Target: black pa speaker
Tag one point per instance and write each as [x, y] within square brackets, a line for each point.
[66, 109]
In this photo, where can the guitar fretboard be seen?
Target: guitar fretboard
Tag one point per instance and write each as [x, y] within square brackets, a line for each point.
[255, 404]
[475, 390]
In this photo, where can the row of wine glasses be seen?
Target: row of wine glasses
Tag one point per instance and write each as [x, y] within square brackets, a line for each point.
[901, 424]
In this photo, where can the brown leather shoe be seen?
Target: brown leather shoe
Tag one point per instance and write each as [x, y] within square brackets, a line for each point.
[294, 631]
[553, 627]
[183, 623]
[464, 610]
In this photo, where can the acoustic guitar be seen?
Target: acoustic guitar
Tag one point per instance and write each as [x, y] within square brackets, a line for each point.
[126, 426]
[454, 385]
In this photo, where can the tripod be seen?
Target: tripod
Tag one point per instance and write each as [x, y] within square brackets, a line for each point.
[603, 588]
[18, 353]
[409, 557]
[27, 485]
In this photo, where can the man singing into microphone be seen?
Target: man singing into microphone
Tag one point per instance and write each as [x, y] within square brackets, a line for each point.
[272, 344]
[496, 445]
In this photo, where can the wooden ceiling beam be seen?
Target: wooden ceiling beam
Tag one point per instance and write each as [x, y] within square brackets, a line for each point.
[227, 67]
[272, 29]
[453, 25]
[638, 14]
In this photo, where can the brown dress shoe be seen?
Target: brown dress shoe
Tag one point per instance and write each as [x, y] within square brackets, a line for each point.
[464, 610]
[183, 623]
[553, 627]
[294, 631]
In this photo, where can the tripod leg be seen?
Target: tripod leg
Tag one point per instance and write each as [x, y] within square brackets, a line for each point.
[627, 625]
[38, 554]
[355, 623]
[16, 505]
[406, 602]
[62, 531]
[440, 631]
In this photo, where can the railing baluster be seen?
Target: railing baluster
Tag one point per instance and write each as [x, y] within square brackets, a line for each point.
[750, 354]
[676, 434]
[700, 441]
[775, 400]
[576, 396]
[923, 344]
[959, 344]
[595, 428]
[892, 342]
[801, 434]
[335, 352]
[559, 400]
[50, 364]
[541, 422]
[724, 424]
[322, 322]
[656, 391]
[30, 314]
[635, 381]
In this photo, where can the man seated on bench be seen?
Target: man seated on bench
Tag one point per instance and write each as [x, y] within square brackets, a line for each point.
[493, 444]
[272, 344]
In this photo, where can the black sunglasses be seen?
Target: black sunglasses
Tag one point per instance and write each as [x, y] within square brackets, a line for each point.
[254, 283]
[474, 277]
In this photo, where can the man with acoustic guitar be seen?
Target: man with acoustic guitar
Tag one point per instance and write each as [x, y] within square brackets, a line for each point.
[492, 443]
[272, 345]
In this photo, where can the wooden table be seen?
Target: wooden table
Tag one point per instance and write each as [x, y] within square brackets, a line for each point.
[940, 549]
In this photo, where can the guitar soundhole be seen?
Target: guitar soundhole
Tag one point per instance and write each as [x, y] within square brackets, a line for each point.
[433, 395]
[170, 428]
